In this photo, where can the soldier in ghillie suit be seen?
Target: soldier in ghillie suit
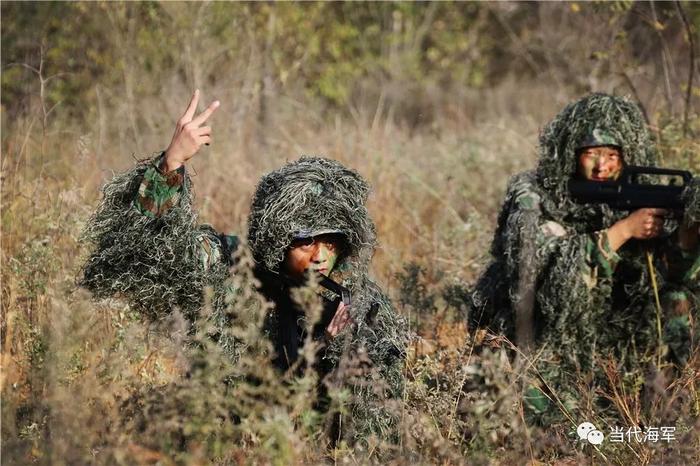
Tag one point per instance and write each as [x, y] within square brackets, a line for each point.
[308, 217]
[573, 280]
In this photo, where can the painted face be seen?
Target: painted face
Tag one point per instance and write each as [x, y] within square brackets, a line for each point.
[602, 163]
[319, 254]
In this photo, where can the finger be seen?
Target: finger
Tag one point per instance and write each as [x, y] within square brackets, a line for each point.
[334, 322]
[339, 315]
[342, 320]
[203, 131]
[191, 108]
[346, 317]
[332, 329]
[658, 212]
[202, 117]
[206, 140]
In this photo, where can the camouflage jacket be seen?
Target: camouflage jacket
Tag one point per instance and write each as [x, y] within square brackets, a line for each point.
[581, 295]
[149, 249]
[554, 280]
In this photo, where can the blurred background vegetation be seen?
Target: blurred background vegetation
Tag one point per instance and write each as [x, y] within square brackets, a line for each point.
[437, 104]
[422, 61]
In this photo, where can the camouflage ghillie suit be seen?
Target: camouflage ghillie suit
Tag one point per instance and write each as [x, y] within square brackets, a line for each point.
[554, 270]
[150, 250]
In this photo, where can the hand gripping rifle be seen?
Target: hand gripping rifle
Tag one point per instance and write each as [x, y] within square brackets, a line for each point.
[631, 191]
[345, 295]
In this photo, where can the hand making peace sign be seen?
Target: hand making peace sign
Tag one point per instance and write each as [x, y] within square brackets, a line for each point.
[189, 134]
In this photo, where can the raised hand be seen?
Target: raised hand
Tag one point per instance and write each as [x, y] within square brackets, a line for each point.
[189, 134]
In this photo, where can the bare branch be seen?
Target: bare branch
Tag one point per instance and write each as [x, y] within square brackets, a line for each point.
[24, 65]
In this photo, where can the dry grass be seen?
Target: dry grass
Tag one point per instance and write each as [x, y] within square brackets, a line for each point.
[86, 382]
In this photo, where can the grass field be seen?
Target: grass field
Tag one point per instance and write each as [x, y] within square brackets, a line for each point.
[69, 363]
[87, 382]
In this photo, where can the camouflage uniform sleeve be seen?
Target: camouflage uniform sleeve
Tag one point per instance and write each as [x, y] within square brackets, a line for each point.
[159, 191]
[147, 246]
[680, 296]
[563, 278]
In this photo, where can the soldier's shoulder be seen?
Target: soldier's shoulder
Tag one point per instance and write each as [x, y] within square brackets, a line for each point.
[376, 294]
[523, 192]
[231, 242]
[217, 246]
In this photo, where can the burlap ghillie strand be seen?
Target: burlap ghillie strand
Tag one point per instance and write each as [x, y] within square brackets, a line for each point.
[311, 194]
[317, 194]
[154, 263]
[551, 259]
[149, 249]
[691, 201]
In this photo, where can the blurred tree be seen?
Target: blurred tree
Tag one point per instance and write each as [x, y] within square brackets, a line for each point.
[410, 57]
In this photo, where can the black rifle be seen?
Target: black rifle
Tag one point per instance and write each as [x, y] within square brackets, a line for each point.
[336, 288]
[322, 280]
[630, 191]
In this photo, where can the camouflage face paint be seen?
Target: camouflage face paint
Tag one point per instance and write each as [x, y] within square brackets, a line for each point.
[326, 257]
[319, 254]
[600, 163]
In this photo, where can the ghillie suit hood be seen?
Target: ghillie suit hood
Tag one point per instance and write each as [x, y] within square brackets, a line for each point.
[553, 279]
[617, 118]
[311, 196]
[308, 197]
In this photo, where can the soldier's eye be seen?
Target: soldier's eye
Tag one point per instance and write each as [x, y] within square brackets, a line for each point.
[303, 243]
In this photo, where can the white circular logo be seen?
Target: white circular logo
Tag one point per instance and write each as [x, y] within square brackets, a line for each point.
[595, 437]
[584, 429]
